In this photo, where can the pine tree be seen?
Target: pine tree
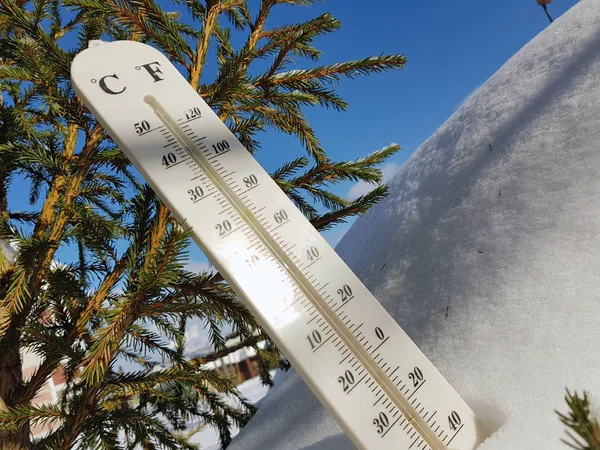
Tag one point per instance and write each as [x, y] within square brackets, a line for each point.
[128, 295]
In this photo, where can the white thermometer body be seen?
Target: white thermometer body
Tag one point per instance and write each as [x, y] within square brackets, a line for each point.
[366, 371]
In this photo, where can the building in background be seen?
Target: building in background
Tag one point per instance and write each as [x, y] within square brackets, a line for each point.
[237, 362]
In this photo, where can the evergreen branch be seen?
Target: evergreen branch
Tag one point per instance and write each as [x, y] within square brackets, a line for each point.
[108, 304]
[297, 39]
[356, 208]
[290, 168]
[148, 430]
[25, 415]
[147, 18]
[17, 15]
[299, 36]
[150, 381]
[95, 302]
[164, 253]
[39, 378]
[196, 9]
[250, 342]
[360, 170]
[61, 31]
[236, 17]
[23, 216]
[18, 293]
[324, 96]
[224, 46]
[258, 25]
[267, 360]
[301, 203]
[328, 199]
[245, 130]
[143, 341]
[295, 124]
[17, 73]
[211, 16]
[331, 73]
[585, 430]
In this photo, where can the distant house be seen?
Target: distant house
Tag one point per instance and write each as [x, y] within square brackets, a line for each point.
[238, 362]
[30, 361]
[50, 391]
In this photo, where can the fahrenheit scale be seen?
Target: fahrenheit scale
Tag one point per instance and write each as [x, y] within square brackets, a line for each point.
[371, 377]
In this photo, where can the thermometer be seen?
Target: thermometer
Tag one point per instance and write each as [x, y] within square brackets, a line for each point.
[380, 388]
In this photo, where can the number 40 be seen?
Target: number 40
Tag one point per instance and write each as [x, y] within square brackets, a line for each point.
[454, 421]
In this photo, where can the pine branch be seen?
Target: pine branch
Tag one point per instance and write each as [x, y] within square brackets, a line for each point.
[97, 299]
[331, 74]
[290, 168]
[15, 418]
[148, 19]
[128, 294]
[298, 37]
[315, 180]
[356, 208]
[584, 433]
[251, 342]
[291, 123]
[210, 22]
[144, 342]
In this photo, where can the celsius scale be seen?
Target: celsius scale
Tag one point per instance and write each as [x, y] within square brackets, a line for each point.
[380, 388]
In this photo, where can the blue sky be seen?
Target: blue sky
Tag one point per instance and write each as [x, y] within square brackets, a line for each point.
[452, 48]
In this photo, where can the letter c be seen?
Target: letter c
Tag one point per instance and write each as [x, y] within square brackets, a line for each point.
[108, 90]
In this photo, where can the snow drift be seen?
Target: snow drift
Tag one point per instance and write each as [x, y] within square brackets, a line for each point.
[487, 251]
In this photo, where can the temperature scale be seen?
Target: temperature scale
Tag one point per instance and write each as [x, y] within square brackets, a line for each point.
[382, 391]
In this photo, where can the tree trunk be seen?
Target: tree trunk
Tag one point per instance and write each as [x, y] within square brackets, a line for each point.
[11, 384]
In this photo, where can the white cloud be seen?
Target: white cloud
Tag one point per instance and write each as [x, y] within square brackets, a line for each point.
[199, 266]
[362, 187]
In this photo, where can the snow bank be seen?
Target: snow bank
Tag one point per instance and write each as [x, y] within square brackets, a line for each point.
[487, 251]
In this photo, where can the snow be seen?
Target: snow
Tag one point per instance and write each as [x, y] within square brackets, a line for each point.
[487, 251]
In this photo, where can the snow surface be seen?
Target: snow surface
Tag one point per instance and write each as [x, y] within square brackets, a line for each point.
[497, 218]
